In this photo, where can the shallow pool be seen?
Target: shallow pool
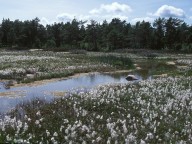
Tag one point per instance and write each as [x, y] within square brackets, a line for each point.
[13, 96]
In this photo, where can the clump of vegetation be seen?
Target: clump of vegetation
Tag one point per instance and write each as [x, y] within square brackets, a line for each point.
[48, 76]
[116, 61]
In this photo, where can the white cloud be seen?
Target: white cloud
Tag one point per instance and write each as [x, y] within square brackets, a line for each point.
[105, 12]
[115, 7]
[65, 17]
[170, 11]
[44, 21]
[190, 17]
[83, 17]
[110, 11]
[146, 19]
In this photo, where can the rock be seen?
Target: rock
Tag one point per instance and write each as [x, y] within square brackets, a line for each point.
[138, 68]
[131, 78]
[8, 84]
[171, 63]
[30, 76]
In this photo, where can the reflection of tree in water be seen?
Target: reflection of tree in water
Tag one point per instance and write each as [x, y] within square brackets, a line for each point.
[150, 68]
[147, 68]
[143, 74]
[118, 76]
[92, 78]
[1, 85]
[5, 85]
[105, 77]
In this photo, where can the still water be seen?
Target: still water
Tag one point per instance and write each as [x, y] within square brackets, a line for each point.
[83, 82]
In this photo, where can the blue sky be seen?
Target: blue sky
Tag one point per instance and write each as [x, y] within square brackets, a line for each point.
[50, 11]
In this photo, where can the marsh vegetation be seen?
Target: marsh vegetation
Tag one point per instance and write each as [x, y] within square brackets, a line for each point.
[155, 110]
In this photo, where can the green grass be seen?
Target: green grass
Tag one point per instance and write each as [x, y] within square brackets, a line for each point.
[119, 62]
[56, 65]
[155, 111]
[158, 108]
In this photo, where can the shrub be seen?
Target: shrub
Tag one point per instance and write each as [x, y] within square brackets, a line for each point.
[50, 44]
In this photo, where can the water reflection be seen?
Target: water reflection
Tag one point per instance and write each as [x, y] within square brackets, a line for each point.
[45, 91]
[27, 93]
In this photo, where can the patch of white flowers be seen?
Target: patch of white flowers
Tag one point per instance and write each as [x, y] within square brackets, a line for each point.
[151, 111]
[11, 58]
[11, 71]
[185, 61]
[18, 64]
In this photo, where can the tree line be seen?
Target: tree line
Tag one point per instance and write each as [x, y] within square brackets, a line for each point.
[170, 33]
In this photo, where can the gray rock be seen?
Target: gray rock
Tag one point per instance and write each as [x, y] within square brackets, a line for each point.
[131, 78]
[30, 76]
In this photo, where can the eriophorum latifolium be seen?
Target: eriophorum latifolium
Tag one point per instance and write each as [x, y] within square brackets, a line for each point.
[25, 66]
[150, 111]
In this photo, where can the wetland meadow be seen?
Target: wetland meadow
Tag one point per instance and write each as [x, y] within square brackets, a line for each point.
[83, 97]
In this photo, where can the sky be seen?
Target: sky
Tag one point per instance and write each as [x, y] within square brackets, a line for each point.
[50, 11]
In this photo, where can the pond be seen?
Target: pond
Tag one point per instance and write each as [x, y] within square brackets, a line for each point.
[16, 95]
[11, 97]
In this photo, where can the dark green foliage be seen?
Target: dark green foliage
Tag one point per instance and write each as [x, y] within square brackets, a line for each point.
[159, 33]
[50, 44]
[172, 34]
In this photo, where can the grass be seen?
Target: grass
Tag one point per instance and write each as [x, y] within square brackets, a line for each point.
[116, 61]
[16, 65]
[163, 68]
[157, 111]
[49, 76]
[46, 64]
[150, 111]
